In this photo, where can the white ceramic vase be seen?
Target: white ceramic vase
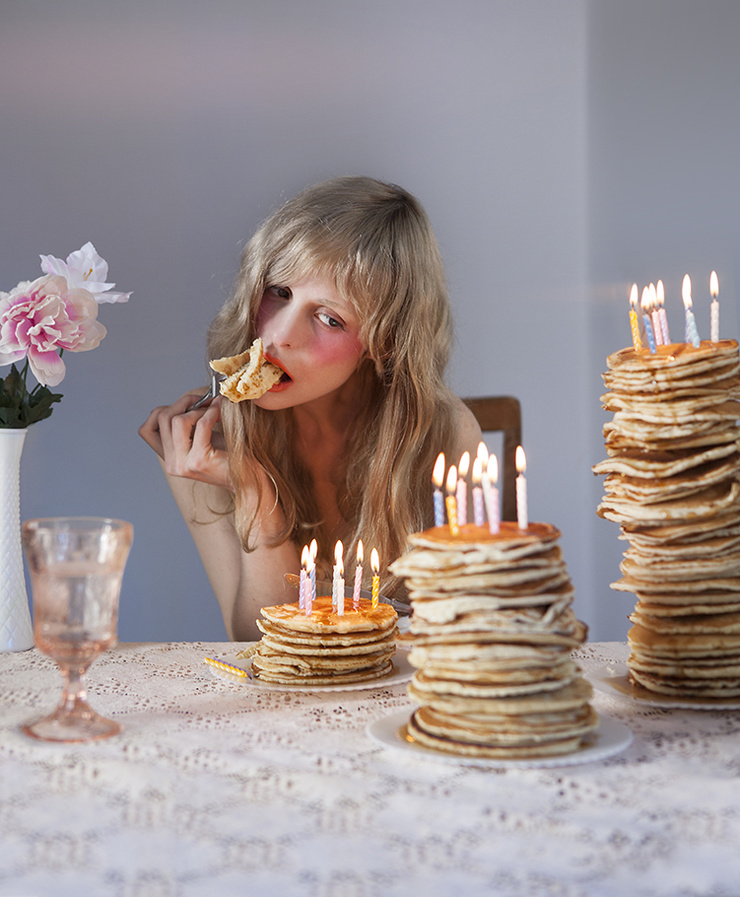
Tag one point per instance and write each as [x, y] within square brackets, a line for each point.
[16, 631]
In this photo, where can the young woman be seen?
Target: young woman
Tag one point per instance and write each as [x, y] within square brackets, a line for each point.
[345, 286]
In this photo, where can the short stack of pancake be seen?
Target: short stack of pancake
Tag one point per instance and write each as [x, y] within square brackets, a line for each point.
[492, 629]
[324, 647]
[672, 482]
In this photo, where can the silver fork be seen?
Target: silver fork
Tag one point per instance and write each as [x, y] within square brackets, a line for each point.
[211, 394]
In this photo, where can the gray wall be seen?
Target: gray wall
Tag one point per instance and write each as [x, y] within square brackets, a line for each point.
[562, 151]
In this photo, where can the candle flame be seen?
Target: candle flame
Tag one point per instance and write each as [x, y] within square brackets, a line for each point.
[686, 291]
[304, 556]
[482, 453]
[477, 472]
[360, 552]
[633, 295]
[338, 552]
[645, 300]
[374, 560]
[493, 466]
[314, 549]
[660, 292]
[438, 474]
[653, 295]
[452, 479]
[521, 460]
[713, 285]
[464, 465]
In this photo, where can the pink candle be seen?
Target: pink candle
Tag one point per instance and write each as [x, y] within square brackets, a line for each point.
[492, 502]
[478, 512]
[655, 315]
[714, 308]
[438, 476]
[521, 490]
[311, 587]
[338, 580]
[358, 576]
[660, 298]
[452, 501]
[313, 550]
[303, 582]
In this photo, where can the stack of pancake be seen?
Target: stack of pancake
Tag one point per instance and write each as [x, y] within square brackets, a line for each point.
[492, 629]
[672, 482]
[323, 647]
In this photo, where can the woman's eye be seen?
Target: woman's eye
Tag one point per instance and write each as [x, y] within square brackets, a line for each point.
[281, 292]
[329, 320]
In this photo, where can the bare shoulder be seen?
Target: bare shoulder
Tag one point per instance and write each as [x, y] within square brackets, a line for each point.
[467, 431]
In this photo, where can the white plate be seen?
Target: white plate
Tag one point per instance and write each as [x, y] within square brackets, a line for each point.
[610, 738]
[613, 678]
[402, 672]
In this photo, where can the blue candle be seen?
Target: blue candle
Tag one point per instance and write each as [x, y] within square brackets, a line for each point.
[645, 303]
[692, 334]
[438, 476]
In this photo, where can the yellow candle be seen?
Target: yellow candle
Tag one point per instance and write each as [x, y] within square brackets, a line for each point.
[451, 501]
[634, 321]
[375, 564]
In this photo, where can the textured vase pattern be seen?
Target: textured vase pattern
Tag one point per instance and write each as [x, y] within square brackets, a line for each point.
[16, 631]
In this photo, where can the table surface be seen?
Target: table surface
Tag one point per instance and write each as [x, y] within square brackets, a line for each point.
[222, 788]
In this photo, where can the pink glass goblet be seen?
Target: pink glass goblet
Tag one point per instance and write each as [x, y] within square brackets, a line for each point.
[76, 566]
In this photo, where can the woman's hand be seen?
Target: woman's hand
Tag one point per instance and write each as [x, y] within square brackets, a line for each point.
[186, 441]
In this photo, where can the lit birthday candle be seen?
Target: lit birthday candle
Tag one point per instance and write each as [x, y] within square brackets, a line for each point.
[492, 504]
[451, 501]
[521, 489]
[634, 322]
[655, 315]
[692, 335]
[479, 514]
[714, 292]
[462, 489]
[660, 298]
[337, 599]
[358, 576]
[645, 302]
[303, 585]
[375, 565]
[438, 477]
[310, 589]
[313, 550]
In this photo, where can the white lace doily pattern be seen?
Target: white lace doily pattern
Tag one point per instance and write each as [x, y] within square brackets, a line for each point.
[216, 789]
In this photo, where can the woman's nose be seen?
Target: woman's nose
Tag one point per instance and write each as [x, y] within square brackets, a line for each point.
[287, 329]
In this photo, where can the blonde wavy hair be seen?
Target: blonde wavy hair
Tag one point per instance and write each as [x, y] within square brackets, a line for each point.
[374, 241]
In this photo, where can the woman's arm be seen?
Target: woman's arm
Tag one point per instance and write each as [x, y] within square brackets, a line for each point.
[196, 468]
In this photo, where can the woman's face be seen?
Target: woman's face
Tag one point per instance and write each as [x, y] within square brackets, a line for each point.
[310, 332]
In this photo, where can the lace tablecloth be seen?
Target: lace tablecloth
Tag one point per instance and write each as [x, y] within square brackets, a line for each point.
[220, 788]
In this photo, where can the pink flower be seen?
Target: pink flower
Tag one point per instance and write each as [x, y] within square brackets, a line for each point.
[38, 319]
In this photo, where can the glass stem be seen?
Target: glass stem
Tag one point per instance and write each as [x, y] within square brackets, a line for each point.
[74, 697]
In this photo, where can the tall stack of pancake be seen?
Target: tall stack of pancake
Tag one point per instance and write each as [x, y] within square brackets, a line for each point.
[324, 647]
[672, 482]
[492, 629]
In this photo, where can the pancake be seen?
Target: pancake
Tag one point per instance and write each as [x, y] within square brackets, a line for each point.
[323, 647]
[492, 629]
[672, 482]
[248, 375]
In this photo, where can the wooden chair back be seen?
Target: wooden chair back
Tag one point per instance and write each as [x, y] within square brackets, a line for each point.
[502, 414]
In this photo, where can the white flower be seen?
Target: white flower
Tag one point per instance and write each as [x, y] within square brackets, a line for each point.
[86, 270]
